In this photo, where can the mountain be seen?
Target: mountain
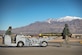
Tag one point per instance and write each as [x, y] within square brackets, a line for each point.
[2, 32]
[52, 26]
[63, 19]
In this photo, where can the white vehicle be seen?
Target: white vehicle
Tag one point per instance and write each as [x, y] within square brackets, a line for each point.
[21, 40]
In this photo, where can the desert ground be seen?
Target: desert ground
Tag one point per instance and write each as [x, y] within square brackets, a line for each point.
[50, 50]
[53, 49]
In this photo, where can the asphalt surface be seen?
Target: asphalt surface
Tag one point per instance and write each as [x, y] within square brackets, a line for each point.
[52, 49]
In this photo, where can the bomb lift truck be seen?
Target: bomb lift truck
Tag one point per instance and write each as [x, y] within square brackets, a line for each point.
[21, 40]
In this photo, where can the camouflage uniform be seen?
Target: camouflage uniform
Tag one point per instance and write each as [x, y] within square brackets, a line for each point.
[66, 34]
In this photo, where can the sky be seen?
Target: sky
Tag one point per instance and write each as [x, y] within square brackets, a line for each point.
[18, 13]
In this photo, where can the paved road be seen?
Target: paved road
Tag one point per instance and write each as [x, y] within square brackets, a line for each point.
[50, 50]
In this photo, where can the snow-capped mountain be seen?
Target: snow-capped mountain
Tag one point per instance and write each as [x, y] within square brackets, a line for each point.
[68, 18]
[50, 20]
[51, 26]
[62, 19]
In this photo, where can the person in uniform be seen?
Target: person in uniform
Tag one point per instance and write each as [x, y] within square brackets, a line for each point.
[66, 34]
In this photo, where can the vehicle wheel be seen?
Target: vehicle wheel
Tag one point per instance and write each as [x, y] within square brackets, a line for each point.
[44, 44]
[20, 44]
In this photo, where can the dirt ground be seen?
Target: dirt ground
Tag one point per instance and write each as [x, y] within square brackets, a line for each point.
[50, 50]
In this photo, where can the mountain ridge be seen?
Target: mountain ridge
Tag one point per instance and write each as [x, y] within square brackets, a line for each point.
[52, 26]
[63, 19]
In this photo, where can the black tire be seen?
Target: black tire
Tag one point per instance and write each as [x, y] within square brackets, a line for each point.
[20, 44]
[44, 44]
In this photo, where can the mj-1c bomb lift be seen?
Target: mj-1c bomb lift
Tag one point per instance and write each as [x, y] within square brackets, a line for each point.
[21, 40]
